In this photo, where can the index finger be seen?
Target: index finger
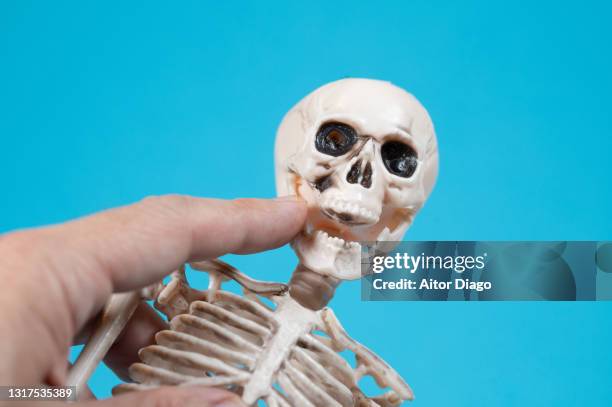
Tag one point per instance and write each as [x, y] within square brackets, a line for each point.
[133, 246]
[139, 244]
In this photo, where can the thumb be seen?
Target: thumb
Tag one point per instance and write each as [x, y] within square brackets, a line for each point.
[188, 396]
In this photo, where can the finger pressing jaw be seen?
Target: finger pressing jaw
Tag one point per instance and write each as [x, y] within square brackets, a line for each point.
[245, 226]
[140, 244]
[130, 247]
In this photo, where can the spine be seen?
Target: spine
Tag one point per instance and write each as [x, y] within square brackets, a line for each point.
[311, 289]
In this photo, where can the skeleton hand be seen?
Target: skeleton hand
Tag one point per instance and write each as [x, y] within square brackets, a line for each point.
[57, 278]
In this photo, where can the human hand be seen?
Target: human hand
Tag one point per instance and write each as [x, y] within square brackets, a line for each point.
[56, 279]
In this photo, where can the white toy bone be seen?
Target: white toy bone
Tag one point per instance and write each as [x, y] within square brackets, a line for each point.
[363, 154]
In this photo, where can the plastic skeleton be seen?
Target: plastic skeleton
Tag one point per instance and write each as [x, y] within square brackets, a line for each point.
[363, 154]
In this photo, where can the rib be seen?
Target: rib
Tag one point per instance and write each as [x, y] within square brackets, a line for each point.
[316, 394]
[150, 375]
[202, 328]
[202, 308]
[322, 376]
[295, 396]
[190, 363]
[183, 341]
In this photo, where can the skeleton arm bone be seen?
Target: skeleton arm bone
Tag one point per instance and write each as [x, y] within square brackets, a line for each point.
[258, 287]
[113, 319]
[115, 316]
[368, 363]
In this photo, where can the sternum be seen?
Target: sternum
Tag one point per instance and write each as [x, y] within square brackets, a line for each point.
[293, 321]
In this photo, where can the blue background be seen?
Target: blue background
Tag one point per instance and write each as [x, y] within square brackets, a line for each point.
[102, 104]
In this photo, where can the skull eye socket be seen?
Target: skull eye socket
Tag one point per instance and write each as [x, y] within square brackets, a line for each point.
[400, 159]
[335, 139]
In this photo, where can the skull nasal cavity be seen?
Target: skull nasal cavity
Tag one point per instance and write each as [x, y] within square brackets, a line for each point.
[366, 179]
[355, 175]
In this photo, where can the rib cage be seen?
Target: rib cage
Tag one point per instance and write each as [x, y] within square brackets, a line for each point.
[217, 338]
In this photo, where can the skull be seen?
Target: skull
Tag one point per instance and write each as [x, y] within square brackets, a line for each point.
[364, 156]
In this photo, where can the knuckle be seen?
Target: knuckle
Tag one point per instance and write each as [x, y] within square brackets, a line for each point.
[173, 203]
[245, 204]
[20, 242]
[241, 210]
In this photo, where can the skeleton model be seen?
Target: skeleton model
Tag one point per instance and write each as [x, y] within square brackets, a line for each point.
[363, 154]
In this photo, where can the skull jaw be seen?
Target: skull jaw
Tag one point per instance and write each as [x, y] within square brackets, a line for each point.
[328, 255]
[333, 256]
[328, 246]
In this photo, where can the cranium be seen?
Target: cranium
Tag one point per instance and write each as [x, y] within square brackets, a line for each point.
[363, 154]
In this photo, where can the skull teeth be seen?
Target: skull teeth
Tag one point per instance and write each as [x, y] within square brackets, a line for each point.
[336, 241]
[355, 212]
